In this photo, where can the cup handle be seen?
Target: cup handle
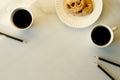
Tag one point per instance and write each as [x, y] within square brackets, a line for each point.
[17, 5]
[9, 10]
[30, 3]
[115, 28]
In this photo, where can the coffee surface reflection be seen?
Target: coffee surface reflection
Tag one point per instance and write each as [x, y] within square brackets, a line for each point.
[101, 35]
[22, 18]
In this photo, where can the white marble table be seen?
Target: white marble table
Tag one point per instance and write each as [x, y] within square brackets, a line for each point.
[55, 51]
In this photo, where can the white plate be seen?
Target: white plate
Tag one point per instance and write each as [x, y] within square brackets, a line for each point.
[77, 21]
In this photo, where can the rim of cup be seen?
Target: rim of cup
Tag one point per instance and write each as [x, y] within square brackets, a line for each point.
[111, 34]
[12, 14]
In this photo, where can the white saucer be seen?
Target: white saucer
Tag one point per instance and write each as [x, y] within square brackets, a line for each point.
[77, 21]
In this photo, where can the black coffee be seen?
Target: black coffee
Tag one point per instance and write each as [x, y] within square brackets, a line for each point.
[22, 18]
[100, 35]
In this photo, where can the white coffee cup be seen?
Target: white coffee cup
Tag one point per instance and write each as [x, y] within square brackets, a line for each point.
[102, 35]
[21, 18]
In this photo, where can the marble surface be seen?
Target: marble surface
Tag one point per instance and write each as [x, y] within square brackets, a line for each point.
[53, 50]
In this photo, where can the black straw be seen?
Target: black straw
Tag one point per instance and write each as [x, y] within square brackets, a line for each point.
[20, 40]
[100, 67]
[105, 60]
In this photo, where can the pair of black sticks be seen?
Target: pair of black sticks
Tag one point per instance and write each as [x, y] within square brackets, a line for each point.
[9, 36]
[110, 62]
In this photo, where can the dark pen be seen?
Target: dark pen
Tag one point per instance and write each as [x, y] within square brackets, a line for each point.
[9, 36]
[105, 71]
[108, 61]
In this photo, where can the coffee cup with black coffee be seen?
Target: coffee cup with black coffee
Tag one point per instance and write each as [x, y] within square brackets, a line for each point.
[21, 18]
[102, 35]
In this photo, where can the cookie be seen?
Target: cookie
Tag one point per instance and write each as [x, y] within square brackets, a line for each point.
[74, 6]
[88, 8]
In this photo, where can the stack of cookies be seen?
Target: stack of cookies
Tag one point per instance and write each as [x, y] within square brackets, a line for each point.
[79, 7]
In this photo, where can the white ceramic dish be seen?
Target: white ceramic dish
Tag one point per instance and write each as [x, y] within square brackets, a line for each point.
[77, 21]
